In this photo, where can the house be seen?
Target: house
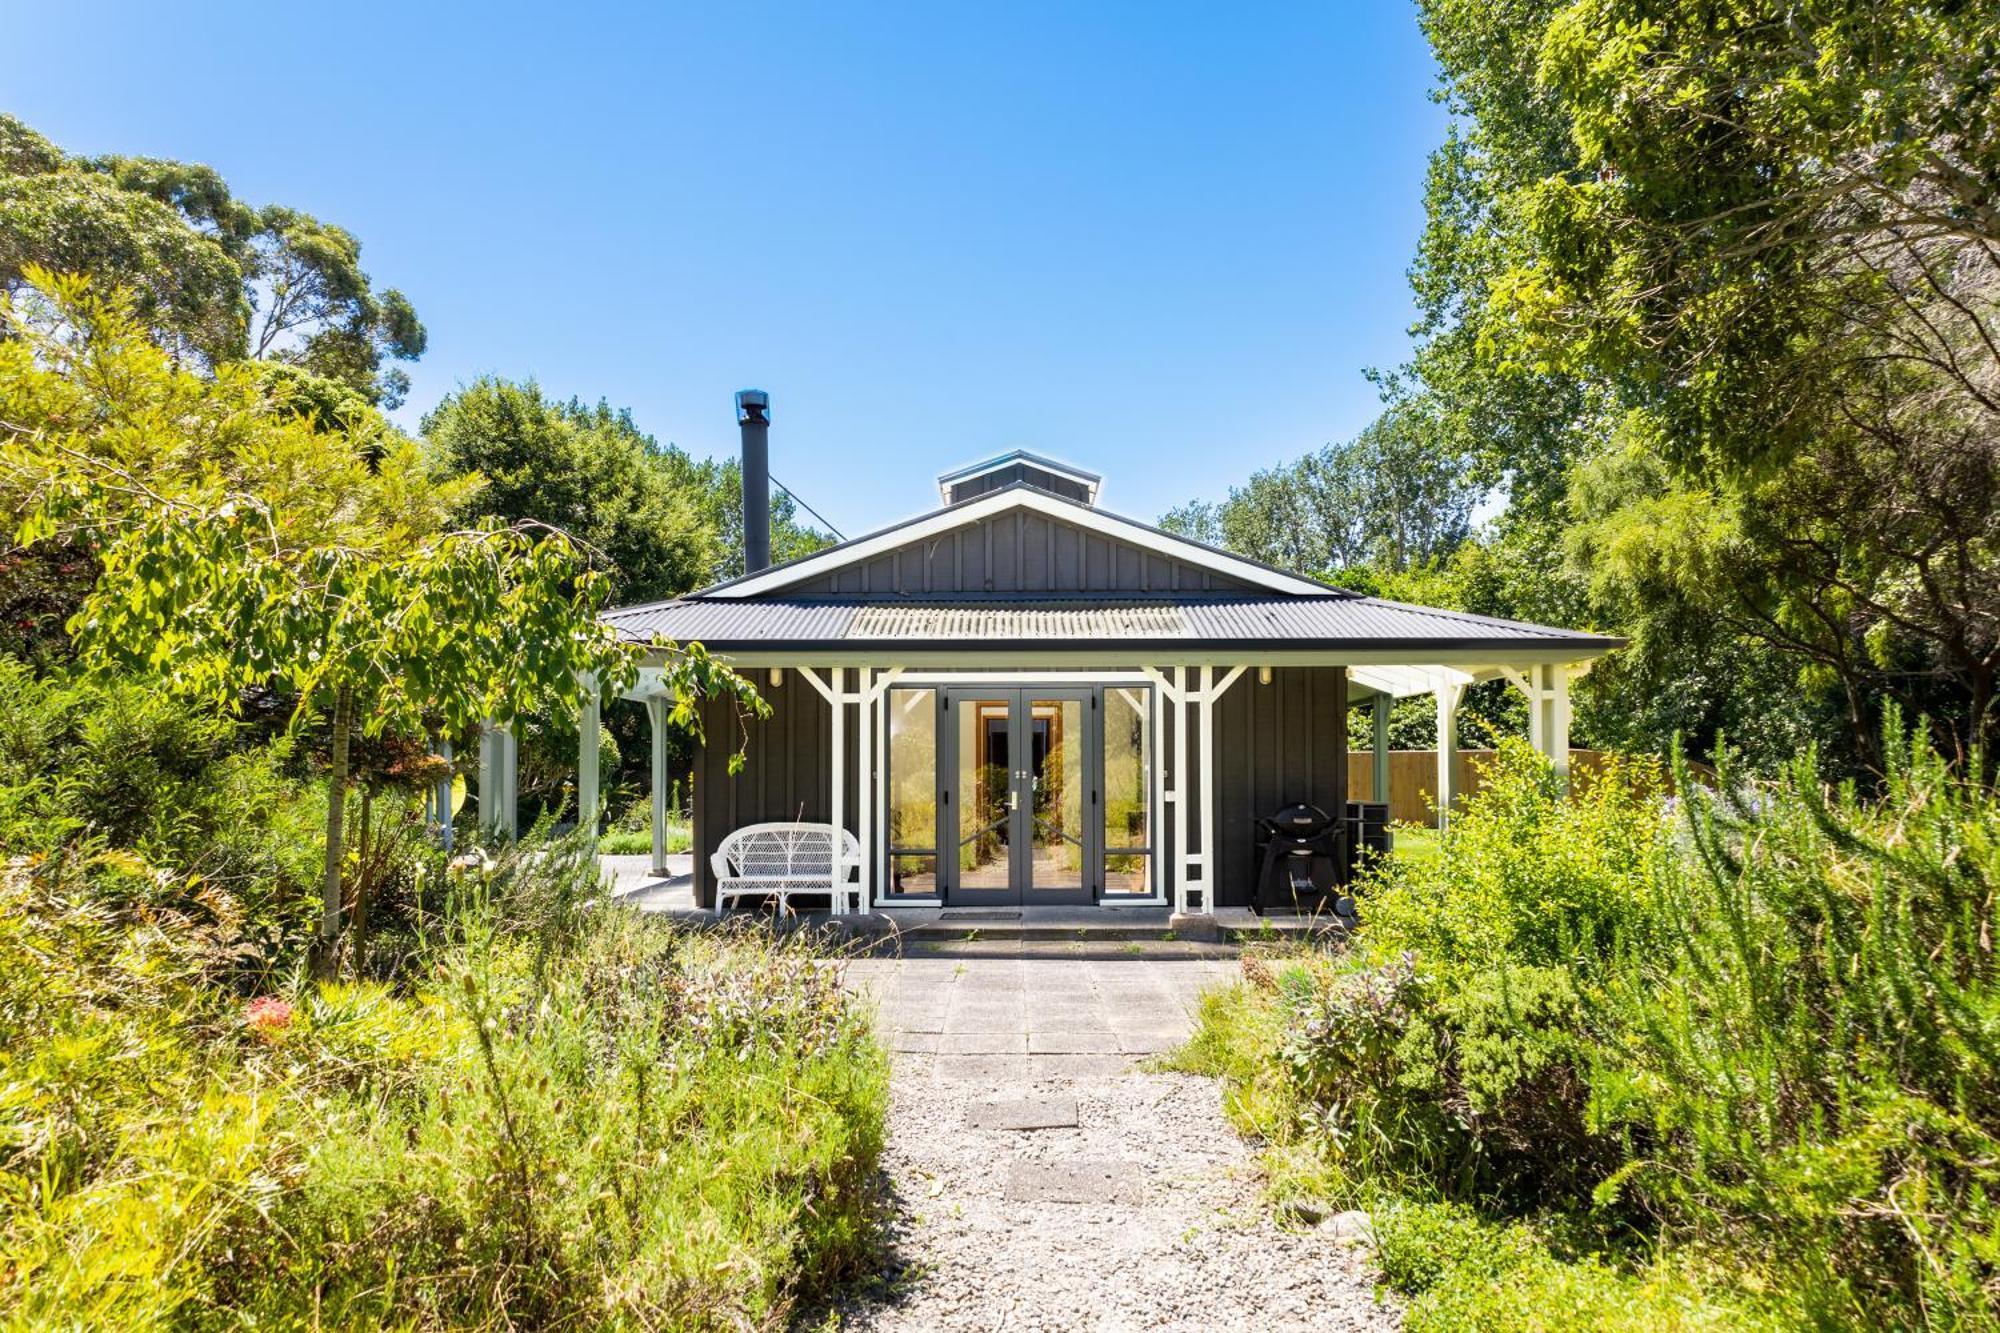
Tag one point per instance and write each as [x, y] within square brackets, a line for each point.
[1021, 697]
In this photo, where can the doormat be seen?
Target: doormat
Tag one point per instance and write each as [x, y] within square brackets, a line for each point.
[980, 914]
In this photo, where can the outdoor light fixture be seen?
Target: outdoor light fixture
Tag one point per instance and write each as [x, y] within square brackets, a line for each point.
[1263, 675]
[752, 405]
[777, 677]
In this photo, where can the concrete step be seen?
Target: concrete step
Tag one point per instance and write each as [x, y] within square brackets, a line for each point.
[1231, 925]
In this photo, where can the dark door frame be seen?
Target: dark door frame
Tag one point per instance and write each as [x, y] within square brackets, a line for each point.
[1020, 888]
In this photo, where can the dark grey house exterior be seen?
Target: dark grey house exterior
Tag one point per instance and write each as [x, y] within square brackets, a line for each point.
[1022, 698]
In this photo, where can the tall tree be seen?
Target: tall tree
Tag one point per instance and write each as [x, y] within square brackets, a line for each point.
[1780, 240]
[1390, 498]
[1709, 294]
[213, 278]
[587, 470]
[656, 522]
[243, 550]
[665, 523]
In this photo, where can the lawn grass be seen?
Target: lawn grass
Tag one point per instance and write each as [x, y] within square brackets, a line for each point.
[639, 842]
[1414, 842]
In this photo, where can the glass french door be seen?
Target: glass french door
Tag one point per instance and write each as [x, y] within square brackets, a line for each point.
[1019, 794]
[1018, 788]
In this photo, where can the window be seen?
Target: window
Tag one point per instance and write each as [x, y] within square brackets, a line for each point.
[1128, 776]
[913, 786]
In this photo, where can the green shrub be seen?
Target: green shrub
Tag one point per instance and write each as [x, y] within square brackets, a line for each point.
[1525, 873]
[190, 809]
[1738, 1073]
[1450, 1051]
[1466, 1274]
[1475, 1089]
[558, 1114]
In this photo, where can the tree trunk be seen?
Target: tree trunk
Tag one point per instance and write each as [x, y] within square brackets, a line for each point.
[336, 811]
[364, 882]
[1980, 763]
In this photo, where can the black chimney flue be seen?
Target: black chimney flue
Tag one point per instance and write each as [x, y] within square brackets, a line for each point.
[753, 418]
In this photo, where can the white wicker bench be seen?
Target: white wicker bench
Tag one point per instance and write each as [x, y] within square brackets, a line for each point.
[778, 860]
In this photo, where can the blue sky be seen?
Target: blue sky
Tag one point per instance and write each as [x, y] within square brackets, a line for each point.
[1161, 241]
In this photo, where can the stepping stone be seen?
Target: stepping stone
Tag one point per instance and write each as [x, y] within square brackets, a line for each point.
[1075, 1182]
[1034, 1113]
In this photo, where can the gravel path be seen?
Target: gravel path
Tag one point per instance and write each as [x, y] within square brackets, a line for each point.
[1044, 1183]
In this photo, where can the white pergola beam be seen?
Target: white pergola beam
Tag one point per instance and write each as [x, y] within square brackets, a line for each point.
[439, 798]
[1546, 685]
[1178, 793]
[588, 737]
[838, 700]
[1211, 691]
[1379, 735]
[499, 763]
[1205, 709]
[1448, 695]
[656, 717]
[865, 820]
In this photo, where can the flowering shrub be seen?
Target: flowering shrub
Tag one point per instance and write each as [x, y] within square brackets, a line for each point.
[267, 1017]
[1473, 1087]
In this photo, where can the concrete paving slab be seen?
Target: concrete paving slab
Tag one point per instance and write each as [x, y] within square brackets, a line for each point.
[988, 1070]
[1076, 1066]
[982, 1021]
[1075, 1182]
[1148, 1041]
[1022, 1113]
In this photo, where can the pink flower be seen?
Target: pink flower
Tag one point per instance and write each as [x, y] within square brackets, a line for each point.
[267, 1017]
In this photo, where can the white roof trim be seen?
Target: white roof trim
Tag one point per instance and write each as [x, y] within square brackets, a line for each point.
[1090, 481]
[1020, 497]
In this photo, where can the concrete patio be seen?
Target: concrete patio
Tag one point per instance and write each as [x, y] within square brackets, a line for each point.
[1032, 1011]
[634, 884]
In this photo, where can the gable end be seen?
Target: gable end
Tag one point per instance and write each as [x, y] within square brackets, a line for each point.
[1018, 551]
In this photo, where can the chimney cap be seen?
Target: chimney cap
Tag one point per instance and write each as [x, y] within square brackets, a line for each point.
[752, 405]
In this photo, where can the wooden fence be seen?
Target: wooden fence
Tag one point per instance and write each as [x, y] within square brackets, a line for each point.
[1413, 778]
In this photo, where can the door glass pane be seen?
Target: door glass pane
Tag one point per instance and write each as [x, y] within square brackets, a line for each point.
[1056, 829]
[913, 787]
[1128, 758]
[983, 786]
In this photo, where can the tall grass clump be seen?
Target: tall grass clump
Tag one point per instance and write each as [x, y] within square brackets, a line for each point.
[554, 1114]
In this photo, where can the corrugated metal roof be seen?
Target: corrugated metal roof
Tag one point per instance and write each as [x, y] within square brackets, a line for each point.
[1276, 621]
[1016, 622]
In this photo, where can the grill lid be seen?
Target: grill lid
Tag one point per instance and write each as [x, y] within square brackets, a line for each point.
[1301, 820]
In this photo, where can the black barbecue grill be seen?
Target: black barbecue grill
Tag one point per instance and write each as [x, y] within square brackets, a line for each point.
[1302, 863]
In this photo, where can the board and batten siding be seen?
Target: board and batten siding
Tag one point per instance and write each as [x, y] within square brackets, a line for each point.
[1021, 551]
[1275, 745]
[786, 776]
